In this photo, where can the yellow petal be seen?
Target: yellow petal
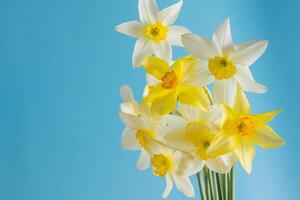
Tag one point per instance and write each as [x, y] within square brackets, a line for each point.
[222, 144]
[183, 65]
[228, 117]
[155, 66]
[164, 104]
[266, 137]
[241, 104]
[195, 96]
[154, 92]
[245, 152]
[264, 118]
[177, 139]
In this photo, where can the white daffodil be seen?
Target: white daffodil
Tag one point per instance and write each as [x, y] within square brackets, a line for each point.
[155, 32]
[193, 133]
[141, 129]
[224, 63]
[174, 166]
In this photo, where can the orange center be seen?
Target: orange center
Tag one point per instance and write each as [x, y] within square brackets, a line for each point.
[169, 80]
[245, 126]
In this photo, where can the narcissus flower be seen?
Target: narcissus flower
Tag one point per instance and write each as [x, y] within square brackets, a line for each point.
[180, 81]
[225, 64]
[193, 133]
[155, 33]
[141, 129]
[174, 166]
[241, 130]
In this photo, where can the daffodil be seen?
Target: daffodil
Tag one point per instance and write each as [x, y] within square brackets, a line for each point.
[179, 81]
[193, 133]
[241, 130]
[224, 63]
[141, 131]
[155, 32]
[174, 166]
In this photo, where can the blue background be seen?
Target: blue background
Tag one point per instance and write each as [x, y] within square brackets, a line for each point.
[61, 66]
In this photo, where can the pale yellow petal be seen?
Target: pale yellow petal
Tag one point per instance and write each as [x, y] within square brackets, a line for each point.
[228, 117]
[164, 104]
[217, 165]
[241, 104]
[184, 64]
[245, 152]
[264, 118]
[266, 137]
[155, 66]
[195, 96]
[177, 139]
[221, 144]
[154, 92]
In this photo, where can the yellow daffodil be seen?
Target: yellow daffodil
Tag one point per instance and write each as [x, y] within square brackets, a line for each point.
[155, 33]
[175, 167]
[241, 130]
[193, 133]
[224, 63]
[141, 129]
[180, 81]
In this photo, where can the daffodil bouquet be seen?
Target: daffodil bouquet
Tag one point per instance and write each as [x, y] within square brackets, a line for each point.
[180, 128]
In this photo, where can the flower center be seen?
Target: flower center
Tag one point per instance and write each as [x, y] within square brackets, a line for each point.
[156, 32]
[221, 67]
[245, 126]
[169, 80]
[162, 164]
[142, 135]
[199, 134]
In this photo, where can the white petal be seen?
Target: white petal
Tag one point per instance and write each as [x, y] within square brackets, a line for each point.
[183, 163]
[198, 166]
[225, 91]
[132, 121]
[215, 114]
[174, 122]
[199, 76]
[126, 93]
[143, 160]
[174, 34]
[229, 159]
[128, 140]
[184, 185]
[169, 186]
[132, 28]
[163, 50]
[169, 15]
[199, 47]
[247, 82]
[148, 11]
[217, 165]
[246, 54]
[142, 49]
[129, 108]
[161, 131]
[222, 37]
[191, 113]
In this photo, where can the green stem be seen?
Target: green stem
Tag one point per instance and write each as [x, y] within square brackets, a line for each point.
[200, 184]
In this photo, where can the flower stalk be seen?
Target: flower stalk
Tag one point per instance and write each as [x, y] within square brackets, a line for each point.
[216, 186]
